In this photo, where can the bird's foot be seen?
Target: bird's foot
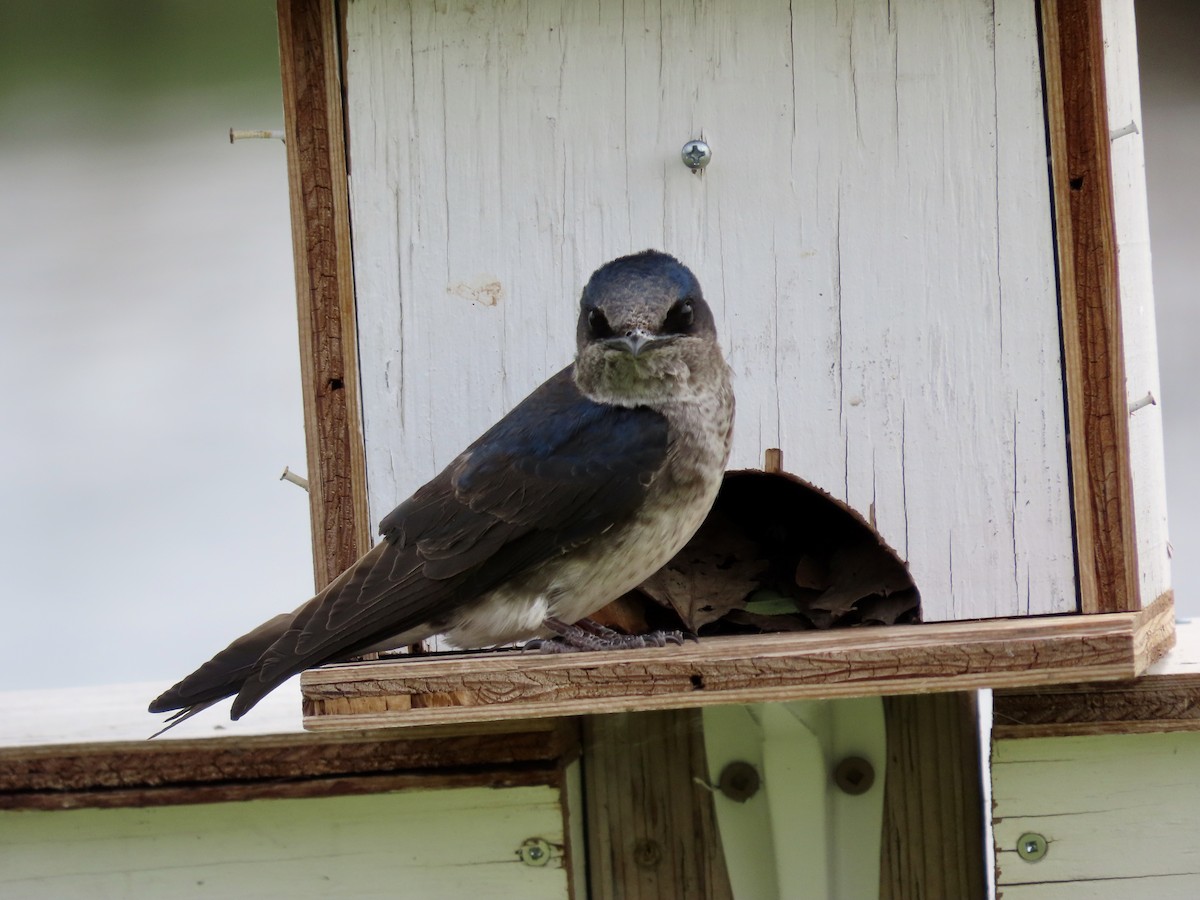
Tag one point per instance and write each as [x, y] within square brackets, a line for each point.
[586, 635]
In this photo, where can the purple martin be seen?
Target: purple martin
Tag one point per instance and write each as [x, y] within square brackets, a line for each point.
[587, 487]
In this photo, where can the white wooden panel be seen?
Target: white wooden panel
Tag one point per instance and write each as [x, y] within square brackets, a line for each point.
[1137, 297]
[873, 233]
[445, 844]
[1160, 887]
[1121, 809]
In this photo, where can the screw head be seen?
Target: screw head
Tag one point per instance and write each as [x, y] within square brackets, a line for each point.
[535, 852]
[739, 781]
[1032, 846]
[696, 155]
[854, 775]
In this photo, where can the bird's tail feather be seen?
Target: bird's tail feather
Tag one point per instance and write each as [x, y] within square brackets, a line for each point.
[223, 675]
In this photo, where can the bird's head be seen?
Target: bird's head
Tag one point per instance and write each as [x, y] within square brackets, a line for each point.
[645, 334]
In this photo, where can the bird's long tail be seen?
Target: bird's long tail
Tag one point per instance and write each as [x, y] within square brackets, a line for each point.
[223, 675]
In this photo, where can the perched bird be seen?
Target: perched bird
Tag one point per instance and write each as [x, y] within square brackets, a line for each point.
[588, 486]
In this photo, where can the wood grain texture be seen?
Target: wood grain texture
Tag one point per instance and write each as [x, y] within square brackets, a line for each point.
[161, 773]
[1150, 704]
[852, 663]
[1165, 698]
[1093, 352]
[874, 234]
[1120, 814]
[933, 808]
[452, 844]
[309, 57]
[651, 828]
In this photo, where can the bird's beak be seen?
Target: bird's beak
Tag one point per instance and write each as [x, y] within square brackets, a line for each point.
[635, 342]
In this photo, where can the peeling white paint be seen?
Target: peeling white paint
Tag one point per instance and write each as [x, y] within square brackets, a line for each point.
[873, 233]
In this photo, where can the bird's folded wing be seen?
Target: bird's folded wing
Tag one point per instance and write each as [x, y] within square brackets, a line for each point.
[554, 473]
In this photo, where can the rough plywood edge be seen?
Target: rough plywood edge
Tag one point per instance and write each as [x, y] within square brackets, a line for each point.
[763, 668]
[296, 765]
[1093, 355]
[1166, 698]
[320, 207]
[302, 788]
[1154, 631]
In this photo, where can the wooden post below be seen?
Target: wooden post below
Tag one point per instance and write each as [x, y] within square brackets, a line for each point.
[933, 844]
[651, 827]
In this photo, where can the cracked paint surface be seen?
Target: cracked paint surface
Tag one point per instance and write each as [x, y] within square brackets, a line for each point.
[873, 234]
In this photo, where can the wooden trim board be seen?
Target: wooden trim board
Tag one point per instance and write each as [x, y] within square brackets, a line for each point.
[208, 770]
[309, 57]
[763, 668]
[1093, 354]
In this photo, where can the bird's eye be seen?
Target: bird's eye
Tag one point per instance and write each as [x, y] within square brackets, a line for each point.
[680, 317]
[598, 324]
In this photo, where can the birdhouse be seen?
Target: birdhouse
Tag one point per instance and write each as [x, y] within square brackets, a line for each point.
[921, 228]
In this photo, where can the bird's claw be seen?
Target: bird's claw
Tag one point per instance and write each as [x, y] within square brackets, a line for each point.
[586, 635]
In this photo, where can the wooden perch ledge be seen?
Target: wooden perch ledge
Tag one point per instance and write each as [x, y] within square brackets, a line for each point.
[739, 669]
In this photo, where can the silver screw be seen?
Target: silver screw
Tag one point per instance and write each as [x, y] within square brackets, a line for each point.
[535, 852]
[1031, 846]
[696, 155]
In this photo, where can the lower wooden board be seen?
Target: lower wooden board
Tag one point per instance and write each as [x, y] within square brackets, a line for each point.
[763, 668]
[1119, 814]
[448, 844]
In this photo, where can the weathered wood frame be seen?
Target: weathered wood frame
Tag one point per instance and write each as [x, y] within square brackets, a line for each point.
[1077, 125]
[309, 59]
[1093, 352]
[1091, 326]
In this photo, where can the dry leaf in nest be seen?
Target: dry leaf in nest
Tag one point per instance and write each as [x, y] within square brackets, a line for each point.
[714, 573]
[811, 573]
[771, 536]
[858, 571]
[902, 606]
[757, 622]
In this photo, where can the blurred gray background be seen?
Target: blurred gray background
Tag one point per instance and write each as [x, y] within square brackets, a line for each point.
[148, 347]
